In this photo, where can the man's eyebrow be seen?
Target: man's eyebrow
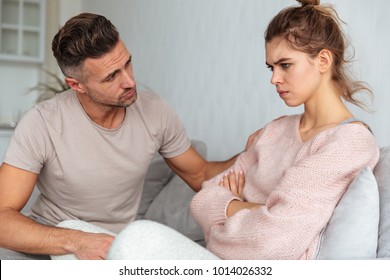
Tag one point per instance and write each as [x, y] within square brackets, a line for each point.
[129, 60]
[112, 74]
[109, 76]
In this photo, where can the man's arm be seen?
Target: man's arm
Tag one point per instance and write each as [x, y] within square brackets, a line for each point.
[20, 233]
[194, 169]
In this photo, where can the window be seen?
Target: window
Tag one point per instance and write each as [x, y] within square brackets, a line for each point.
[22, 24]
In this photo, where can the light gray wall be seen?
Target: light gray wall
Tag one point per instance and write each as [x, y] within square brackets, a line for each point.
[15, 80]
[206, 58]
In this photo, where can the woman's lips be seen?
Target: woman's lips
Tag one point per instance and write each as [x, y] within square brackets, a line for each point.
[282, 93]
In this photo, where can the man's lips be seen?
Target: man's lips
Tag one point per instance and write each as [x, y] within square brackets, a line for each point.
[129, 94]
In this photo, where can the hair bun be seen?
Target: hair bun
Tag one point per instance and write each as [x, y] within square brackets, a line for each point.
[309, 2]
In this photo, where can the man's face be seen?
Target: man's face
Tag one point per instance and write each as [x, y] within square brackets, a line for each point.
[109, 80]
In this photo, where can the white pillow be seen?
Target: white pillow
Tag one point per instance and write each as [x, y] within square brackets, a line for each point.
[78, 225]
[352, 232]
[382, 176]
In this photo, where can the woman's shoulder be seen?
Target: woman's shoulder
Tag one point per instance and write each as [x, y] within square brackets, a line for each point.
[351, 138]
[285, 120]
[281, 127]
[352, 131]
[283, 124]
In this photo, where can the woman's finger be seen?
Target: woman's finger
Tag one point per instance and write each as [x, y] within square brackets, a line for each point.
[226, 182]
[233, 182]
[241, 183]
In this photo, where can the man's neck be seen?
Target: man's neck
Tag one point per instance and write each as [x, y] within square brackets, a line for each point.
[109, 117]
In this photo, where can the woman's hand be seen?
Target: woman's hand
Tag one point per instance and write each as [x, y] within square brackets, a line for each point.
[236, 205]
[234, 182]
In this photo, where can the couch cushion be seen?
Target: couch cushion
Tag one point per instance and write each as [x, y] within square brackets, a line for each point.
[157, 176]
[352, 232]
[171, 205]
[382, 174]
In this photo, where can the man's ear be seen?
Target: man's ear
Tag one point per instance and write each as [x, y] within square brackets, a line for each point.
[74, 84]
[325, 59]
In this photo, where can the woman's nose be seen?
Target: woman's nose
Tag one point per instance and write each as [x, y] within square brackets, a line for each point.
[276, 77]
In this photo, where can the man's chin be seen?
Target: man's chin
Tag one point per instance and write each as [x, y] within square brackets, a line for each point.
[130, 102]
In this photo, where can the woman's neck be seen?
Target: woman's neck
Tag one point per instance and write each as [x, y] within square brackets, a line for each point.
[326, 111]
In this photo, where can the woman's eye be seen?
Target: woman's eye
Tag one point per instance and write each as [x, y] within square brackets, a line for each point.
[285, 65]
[270, 68]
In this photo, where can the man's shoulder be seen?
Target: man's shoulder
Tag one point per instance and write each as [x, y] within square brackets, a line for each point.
[149, 97]
[55, 101]
[61, 105]
[51, 112]
[150, 102]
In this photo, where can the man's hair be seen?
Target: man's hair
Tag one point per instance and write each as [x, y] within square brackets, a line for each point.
[83, 36]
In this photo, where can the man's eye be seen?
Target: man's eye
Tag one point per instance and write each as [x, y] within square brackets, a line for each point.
[111, 78]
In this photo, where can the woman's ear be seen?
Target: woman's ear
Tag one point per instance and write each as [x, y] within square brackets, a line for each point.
[74, 84]
[325, 58]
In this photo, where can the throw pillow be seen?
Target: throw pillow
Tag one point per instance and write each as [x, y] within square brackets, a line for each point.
[352, 232]
[158, 174]
[79, 225]
[382, 176]
[171, 207]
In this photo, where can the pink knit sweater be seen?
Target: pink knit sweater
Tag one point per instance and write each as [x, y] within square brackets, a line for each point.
[299, 184]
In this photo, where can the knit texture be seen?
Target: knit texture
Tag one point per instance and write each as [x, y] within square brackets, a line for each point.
[298, 183]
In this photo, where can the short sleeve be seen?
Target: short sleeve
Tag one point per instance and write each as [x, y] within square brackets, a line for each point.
[30, 145]
[174, 137]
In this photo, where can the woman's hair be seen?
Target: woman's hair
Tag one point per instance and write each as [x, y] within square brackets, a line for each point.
[311, 28]
[84, 36]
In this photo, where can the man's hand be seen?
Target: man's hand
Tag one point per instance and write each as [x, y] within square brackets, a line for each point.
[251, 138]
[92, 246]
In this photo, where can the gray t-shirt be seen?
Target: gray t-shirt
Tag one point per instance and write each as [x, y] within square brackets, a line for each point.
[88, 172]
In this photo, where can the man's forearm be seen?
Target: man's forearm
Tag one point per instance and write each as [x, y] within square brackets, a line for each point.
[22, 234]
[216, 167]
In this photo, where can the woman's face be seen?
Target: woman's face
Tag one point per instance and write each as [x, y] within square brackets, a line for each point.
[295, 74]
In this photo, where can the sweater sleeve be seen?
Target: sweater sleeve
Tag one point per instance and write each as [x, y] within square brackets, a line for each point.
[211, 189]
[297, 209]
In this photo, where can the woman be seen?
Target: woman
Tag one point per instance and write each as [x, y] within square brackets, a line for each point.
[299, 166]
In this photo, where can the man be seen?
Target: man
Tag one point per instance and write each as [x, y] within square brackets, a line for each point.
[88, 149]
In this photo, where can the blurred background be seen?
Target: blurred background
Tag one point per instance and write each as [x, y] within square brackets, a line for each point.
[205, 57]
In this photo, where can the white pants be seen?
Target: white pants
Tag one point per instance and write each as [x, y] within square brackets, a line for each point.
[144, 240]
